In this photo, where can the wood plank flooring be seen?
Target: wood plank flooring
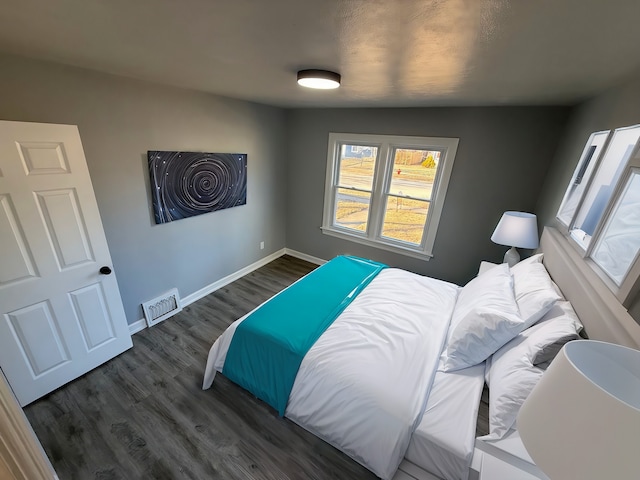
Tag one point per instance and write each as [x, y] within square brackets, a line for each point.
[144, 414]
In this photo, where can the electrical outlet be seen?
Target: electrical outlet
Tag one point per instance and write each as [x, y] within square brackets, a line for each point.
[261, 245]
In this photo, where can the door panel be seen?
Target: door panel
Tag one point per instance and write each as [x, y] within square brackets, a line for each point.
[42, 158]
[29, 325]
[93, 316]
[15, 257]
[65, 227]
[59, 317]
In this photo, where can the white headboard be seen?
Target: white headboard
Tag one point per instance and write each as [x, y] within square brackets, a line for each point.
[602, 315]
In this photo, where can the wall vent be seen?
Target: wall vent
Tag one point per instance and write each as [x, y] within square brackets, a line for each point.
[162, 307]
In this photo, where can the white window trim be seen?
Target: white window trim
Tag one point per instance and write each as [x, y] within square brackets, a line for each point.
[630, 285]
[381, 182]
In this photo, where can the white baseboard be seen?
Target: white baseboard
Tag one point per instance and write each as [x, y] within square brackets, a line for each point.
[141, 324]
[138, 326]
[203, 292]
[304, 256]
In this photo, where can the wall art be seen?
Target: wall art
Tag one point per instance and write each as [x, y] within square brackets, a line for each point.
[185, 184]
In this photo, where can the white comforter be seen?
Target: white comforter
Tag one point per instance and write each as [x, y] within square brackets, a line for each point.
[364, 384]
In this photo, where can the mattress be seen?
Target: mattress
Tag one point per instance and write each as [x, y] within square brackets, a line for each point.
[443, 443]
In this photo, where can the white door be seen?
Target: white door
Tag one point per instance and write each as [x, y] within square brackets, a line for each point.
[60, 317]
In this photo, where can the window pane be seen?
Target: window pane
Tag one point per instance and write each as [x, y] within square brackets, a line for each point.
[414, 172]
[352, 209]
[619, 242]
[357, 164]
[600, 190]
[404, 219]
[581, 176]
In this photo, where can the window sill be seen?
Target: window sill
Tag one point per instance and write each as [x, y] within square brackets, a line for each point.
[376, 244]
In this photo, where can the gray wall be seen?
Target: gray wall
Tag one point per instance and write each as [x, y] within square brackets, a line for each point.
[119, 120]
[617, 107]
[502, 159]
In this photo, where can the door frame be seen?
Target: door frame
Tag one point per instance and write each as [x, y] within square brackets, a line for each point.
[20, 449]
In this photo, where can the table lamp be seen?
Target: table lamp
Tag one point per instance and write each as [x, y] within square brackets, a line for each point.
[582, 419]
[516, 229]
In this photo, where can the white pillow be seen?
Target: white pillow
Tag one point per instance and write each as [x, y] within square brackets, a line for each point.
[552, 336]
[534, 289]
[512, 373]
[512, 376]
[484, 318]
[537, 258]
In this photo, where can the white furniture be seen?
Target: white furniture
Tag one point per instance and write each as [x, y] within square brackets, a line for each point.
[494, 468]
[505, 459]
[394, 368]
[603, 317]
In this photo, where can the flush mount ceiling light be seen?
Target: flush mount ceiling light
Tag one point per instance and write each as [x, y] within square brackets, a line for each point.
[322, 79]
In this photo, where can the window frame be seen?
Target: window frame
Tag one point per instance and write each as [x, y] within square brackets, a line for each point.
[629, 287]
[382, 177]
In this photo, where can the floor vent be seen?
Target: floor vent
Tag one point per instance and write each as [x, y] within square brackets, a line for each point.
[162, 307]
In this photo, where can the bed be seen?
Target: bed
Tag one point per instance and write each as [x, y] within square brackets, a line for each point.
[406, 398]
[337, 392]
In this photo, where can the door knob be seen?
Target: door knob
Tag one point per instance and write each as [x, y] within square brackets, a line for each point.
[105, 270]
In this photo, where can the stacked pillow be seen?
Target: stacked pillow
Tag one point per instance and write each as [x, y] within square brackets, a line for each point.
[514, 369]
[495, 307]
[534, 290]
[517, 320]
[484, 318]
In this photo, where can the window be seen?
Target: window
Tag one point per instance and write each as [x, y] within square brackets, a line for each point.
[387, 191]
[601, 208]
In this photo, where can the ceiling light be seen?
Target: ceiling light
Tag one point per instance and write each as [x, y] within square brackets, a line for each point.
[322, 79]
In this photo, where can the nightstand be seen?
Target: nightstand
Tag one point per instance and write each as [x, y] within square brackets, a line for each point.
[494, 468]
[505, 459]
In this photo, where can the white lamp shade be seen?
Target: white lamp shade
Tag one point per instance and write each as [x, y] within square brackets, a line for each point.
[517, 229]
[582, 420]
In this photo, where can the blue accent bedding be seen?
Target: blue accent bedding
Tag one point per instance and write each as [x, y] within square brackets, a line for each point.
[268, 346]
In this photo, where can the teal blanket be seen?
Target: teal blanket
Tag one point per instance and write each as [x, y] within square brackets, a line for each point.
[268, 346]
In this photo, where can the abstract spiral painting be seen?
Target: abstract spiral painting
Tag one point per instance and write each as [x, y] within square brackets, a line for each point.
[184, 184]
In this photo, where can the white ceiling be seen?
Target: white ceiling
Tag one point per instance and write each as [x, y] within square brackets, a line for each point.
[389, 52]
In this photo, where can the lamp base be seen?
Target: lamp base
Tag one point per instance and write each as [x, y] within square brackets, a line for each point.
[512, 257]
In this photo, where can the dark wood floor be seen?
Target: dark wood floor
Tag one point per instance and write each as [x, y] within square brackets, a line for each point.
[144, 415]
